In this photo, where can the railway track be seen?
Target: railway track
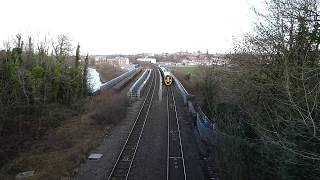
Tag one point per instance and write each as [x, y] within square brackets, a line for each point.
[175, 158]
[126, 157]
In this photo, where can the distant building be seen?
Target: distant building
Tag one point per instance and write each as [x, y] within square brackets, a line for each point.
[114, 61]
[220, 61]
[99, 59]
[164, 54]
[118, 61]
[199, 58]
[151, 60]
[181, 53]
[145, 54]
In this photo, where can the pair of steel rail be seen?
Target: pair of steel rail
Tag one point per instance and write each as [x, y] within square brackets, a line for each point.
[123, 165]
[175, 156]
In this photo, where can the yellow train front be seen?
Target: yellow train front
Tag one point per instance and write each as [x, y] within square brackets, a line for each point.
[168, 79]
[166, 75]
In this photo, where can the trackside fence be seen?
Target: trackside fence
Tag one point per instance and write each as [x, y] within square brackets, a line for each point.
[204, 125]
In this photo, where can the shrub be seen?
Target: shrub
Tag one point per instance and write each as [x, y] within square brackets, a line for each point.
[110, 107]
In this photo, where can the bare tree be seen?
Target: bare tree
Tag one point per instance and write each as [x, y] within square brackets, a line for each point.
[63, 46]
[286, 42]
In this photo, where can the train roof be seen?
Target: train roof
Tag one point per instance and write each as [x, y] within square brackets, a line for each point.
[165, 73]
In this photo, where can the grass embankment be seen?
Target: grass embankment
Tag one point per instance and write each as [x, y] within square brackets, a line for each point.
[108, 71]
[206, 82]
[189, 77]
[194, 77]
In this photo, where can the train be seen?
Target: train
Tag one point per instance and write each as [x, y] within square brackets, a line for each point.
[167, 76]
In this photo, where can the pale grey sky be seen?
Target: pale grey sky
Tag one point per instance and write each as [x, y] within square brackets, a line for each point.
[131, 26]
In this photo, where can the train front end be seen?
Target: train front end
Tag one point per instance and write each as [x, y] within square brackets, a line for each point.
[168, 80]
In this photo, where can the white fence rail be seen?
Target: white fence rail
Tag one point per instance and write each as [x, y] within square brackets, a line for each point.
[184, 93]
[160, 86]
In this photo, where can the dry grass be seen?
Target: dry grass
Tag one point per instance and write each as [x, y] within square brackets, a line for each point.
[110, 107]
[228, 82]
[190, 80]
[64, 148]
[108, 71]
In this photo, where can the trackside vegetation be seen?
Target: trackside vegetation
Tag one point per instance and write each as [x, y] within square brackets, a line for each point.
[40, 85]
[266, 103]
[270, 130]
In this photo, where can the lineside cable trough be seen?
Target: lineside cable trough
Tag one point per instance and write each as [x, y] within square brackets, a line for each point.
[136, 89]
[118, 82]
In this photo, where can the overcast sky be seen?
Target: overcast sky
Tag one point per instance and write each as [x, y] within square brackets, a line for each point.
[131, 26]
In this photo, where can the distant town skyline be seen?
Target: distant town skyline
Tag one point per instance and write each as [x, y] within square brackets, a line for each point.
[132, 27]
[160, 53]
